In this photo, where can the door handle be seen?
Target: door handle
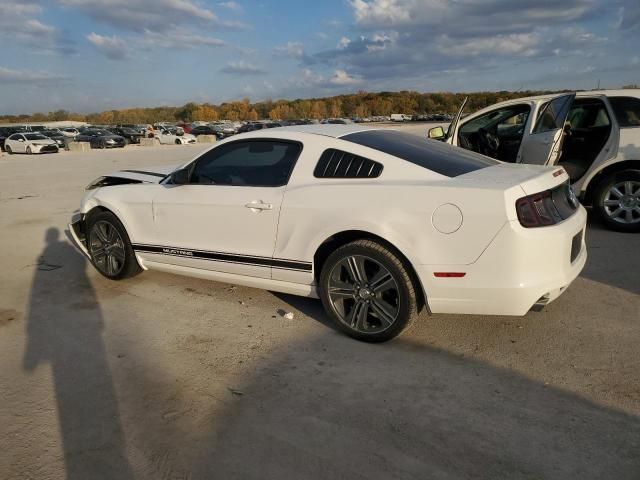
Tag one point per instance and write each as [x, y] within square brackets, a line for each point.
[258, 205]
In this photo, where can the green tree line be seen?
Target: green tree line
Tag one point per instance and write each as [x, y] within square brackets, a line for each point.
[360, 104]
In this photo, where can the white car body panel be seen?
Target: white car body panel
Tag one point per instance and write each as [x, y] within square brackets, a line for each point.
[211, 231]
[168, 138]
[17, 146]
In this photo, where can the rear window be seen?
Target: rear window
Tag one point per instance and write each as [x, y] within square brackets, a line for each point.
[627, 110]
[431, 154]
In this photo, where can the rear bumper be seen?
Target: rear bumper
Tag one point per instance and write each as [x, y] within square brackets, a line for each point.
[522, 269]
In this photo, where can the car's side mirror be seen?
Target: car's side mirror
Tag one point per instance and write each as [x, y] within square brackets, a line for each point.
[436, 133]
[180, 177]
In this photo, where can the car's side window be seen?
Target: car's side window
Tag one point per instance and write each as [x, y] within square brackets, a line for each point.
[626, 110]
[552, 114]
[338, 164]
[254, 163]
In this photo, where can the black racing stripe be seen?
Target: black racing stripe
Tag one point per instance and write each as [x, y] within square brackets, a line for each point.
[225, 257]
[142, 172]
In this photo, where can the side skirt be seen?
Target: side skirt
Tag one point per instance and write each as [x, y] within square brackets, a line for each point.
[253, 282]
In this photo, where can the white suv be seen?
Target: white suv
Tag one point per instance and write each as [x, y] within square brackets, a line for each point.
[594, 135]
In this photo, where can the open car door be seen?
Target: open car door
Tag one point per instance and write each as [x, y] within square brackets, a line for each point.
[451, 132]
[543, 146]
[437, 133]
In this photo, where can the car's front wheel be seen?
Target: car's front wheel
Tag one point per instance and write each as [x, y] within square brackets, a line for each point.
[617, 201]
[368, 292]
[109, 247]
[29, 151]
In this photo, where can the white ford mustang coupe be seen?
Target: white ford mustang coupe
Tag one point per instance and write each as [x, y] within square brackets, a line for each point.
[377, 223]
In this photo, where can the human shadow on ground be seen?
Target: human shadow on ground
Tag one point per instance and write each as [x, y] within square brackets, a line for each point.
[64, 330]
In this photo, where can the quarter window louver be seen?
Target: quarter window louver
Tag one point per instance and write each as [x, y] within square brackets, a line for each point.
[338, 164]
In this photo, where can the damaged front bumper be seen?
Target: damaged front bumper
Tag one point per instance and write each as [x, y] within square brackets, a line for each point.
[78, 234]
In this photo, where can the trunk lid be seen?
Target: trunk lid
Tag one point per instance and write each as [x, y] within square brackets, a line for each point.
[531, 178]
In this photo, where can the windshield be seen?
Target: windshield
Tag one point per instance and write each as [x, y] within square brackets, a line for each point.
[35, 136]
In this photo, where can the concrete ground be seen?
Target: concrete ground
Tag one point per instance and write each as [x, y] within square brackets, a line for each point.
[166, 377]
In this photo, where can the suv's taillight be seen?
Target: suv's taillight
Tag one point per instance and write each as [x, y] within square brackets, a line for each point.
[546, 208]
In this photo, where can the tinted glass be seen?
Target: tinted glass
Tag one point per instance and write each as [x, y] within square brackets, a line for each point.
[589, 113]
[553, 114]
[260, 163]
[431, 154]
[35, 136]
[626, 110]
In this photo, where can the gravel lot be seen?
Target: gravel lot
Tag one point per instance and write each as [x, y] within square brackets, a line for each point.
[166, 377]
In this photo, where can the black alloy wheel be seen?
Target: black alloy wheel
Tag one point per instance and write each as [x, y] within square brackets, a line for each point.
[368, 291]
[109, 247]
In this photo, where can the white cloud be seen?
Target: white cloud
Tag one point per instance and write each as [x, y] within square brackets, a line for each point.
[343, 43]
[235, 6]
[242, 68]
[112, 47]
[180, 39]
[521, 43]
[21, 77]
[341, 78]
[154, 15]
[18, 23]
[292, 49]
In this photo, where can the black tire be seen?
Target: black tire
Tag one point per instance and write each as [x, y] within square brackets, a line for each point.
[100, 233]
[606, 203]
[103, 145]
[400, 299]
[7, 149]
[29, 151]
[178, 142]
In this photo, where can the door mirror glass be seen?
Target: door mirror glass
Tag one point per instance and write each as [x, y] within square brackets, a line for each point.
[180, 177]
[436, 133]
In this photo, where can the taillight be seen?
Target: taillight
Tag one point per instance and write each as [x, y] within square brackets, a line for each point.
[537, 210]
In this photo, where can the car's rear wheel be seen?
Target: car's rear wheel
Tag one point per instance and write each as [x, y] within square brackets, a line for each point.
[367, 291]
[109, 247]
[8, 149]
[617, 201]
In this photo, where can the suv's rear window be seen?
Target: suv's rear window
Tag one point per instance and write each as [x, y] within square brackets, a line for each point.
[627, 110]
[431, 154]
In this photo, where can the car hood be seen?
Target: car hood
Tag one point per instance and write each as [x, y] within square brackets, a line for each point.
[145, 174]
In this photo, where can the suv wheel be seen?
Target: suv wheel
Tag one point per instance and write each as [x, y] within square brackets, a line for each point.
[367, 291]
[617, 201]
[109, 247]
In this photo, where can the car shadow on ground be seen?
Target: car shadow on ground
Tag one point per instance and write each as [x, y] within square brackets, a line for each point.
[613, 256]
[70, 341]
[329, 407]
[318, 406]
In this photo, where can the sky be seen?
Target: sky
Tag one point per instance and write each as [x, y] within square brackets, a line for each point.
[93, 55]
